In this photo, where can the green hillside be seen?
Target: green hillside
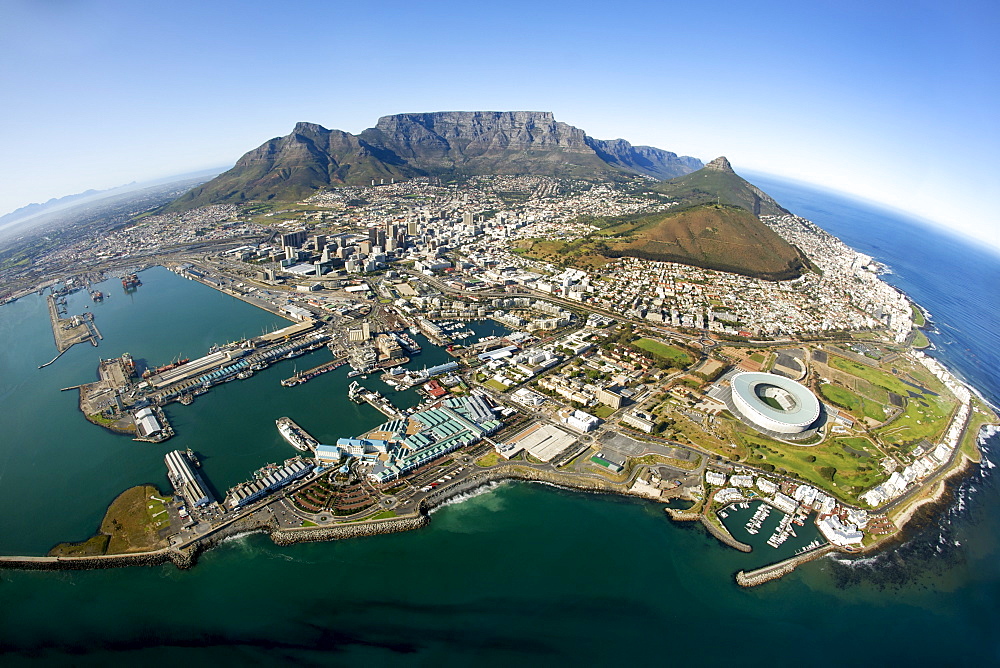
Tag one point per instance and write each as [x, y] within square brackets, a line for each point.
[711, 236]
[717, 183]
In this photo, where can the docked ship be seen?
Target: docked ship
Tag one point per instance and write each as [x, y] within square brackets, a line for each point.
[408, 343]
[296, 436]
[166, 367]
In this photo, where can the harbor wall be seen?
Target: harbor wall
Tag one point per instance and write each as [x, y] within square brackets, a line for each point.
[514, 472]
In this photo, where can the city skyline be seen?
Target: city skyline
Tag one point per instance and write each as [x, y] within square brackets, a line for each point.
[890, 104]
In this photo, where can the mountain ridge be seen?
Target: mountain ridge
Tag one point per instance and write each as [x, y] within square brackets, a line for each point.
[444, 144]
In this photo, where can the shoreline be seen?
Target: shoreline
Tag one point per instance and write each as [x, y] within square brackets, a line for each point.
[932, 493]
[187, 556]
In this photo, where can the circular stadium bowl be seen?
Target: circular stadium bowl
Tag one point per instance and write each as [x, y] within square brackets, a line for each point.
[774, 403]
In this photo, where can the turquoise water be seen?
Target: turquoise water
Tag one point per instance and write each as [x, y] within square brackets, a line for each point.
[525, 573]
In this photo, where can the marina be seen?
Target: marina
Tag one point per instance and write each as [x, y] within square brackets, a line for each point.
[772, 534]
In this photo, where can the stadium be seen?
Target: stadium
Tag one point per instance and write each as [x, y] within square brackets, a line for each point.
[774, 404]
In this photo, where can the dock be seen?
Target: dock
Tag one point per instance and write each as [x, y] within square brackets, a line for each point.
[359, 394]
[296, 436]
[67, 332]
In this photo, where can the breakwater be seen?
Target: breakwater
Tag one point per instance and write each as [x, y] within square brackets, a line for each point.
[724, 536]
[349, 530]
[782, 568]
[154, 558]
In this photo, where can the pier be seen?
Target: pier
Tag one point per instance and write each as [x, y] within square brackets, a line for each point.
[313, 372]
[358, 394]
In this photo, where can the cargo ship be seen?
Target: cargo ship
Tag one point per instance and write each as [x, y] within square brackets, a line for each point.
[165, 367]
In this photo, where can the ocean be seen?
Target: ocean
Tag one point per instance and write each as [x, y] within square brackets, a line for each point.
[518, 572]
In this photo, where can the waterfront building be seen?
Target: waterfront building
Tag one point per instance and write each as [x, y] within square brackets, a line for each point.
[185, 481]
[146, 423]
[715, 478]
[249, 492]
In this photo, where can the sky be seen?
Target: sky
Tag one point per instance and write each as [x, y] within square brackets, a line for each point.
[893, 102]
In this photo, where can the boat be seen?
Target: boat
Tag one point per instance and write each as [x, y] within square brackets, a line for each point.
[295, 435]
[165, 367]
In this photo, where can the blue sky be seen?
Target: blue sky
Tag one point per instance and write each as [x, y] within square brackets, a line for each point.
[890, 101]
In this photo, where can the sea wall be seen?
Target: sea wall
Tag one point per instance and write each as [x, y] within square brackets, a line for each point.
[352, 530]
[514, 472]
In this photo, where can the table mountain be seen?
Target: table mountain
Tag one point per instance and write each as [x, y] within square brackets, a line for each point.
[449, 143]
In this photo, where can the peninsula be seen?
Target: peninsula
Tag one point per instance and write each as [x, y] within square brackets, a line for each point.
[688, 341]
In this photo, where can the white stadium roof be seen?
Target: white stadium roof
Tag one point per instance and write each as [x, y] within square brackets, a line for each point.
[798, 406]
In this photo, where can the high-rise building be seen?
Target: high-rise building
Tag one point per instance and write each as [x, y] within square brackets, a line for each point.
[295, 239]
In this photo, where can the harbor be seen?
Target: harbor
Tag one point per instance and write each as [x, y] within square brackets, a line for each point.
[772, 535]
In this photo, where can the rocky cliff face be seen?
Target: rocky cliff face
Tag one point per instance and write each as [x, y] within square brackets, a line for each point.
[646, 160]
[430, 144]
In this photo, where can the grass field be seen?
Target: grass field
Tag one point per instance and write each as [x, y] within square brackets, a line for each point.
[674, 355]
[857, 405]
[874, 376]
[925, 418]
[602, 411]
[131, 524]
[844, 468]
[495, 385]
[981, 415]
[653, 460]
[489, 459]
